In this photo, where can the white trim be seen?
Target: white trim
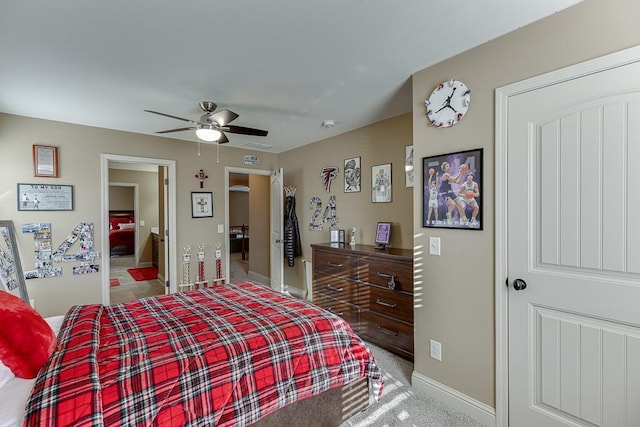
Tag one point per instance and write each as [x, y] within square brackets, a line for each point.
[502, 96]
[469, 406]
[104, 206]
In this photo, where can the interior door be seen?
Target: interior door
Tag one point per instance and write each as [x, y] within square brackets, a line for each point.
[574, 241]
[277, 222]
[163, 246]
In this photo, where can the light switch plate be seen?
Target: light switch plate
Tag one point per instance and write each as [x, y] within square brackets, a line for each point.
[220, 228]
[434, 246]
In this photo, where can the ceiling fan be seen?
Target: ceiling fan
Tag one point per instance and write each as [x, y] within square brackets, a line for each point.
[212, 125]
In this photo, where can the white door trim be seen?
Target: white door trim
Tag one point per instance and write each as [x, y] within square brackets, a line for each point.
[502, 96]
[171, 204]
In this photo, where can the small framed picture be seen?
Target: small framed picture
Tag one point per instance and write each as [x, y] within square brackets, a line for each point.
[452, 190]
[408, 166]
[352, 175]
[45, 161]
[201, 204]
[381, 183]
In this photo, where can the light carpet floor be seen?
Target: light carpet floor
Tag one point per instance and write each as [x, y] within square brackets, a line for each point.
[403, 406]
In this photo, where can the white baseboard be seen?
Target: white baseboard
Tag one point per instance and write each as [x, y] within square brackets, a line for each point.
[258, 277]
[296, 292]
[475, 409]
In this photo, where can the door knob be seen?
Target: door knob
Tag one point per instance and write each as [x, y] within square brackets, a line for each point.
[519, 284]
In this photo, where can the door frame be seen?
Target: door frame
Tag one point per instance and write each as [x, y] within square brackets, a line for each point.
[227, 171]
[170, 203]
[502, 96]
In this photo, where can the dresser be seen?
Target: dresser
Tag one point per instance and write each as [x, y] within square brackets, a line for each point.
[370, 288]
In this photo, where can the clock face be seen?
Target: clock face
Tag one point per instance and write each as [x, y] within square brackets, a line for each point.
[448, 103]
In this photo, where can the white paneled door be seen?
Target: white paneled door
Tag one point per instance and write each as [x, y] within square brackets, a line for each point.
[277, 222]
[573, 234]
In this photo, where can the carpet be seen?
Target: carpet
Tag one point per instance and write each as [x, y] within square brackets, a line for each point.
[114, 281]
[143, 273]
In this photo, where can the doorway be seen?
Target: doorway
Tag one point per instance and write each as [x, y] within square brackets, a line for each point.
[259, 263]
[138, 238]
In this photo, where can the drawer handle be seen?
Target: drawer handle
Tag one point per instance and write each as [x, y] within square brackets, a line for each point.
[387, 331]
[333, 288]
[385, 304]
[339, 313]
[392, 279]
[331, 264]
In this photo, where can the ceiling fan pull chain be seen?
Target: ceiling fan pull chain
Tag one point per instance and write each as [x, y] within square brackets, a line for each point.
[217, 152]
[198, 148]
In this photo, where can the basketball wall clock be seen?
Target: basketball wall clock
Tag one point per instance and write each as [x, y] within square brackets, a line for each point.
[448, 103]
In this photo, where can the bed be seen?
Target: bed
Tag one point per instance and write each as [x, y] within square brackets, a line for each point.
[232, 355]
[122, 232]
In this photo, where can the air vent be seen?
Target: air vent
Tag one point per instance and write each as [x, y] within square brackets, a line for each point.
[258, 145]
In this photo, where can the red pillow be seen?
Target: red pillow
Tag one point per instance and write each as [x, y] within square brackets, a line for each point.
[26, 340]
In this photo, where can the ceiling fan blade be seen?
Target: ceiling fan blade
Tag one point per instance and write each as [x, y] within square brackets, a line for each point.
[169, 115]
[245, 131]
[223, 139]
[223, 117]
[176, 130]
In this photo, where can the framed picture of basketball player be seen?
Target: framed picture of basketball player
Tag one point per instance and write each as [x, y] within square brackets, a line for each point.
[452, 190]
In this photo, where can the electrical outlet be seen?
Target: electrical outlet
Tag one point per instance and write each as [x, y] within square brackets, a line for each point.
[435, 350]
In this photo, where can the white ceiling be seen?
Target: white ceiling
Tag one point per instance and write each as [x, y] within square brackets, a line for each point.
[282, 65]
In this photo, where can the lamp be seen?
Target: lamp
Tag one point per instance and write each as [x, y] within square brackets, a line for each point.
[208, 134]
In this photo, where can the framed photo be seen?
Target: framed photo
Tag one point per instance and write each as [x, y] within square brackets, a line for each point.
[45, 161]
[383, 234]
[201, 204]
[408, 166]
[45, 197]
[381, 183]
[352, 175]
[452, 185]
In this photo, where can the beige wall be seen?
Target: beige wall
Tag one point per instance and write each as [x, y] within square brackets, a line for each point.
[383, 142]
[238, 208]
[80, 148]
[457, 289]
[121, 198]
[147, 204]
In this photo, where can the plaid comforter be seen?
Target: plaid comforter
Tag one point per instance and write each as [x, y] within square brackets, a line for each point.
[227, 356]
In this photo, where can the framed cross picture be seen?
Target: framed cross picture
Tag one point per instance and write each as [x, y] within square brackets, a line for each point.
[201, 204]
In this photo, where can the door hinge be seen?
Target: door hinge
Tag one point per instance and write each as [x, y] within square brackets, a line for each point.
[166, 233]
[166, 283]
[166, 181]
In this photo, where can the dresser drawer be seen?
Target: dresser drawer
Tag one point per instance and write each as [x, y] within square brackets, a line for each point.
[348, 312]
[392, 335]
[383, 301]
[336, 264]
[335, 287]
[387, 273]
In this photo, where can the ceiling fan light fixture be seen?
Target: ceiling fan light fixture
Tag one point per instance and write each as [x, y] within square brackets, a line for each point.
[208, 135]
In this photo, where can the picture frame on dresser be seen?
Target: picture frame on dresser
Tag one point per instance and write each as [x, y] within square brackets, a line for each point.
[452, 190]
